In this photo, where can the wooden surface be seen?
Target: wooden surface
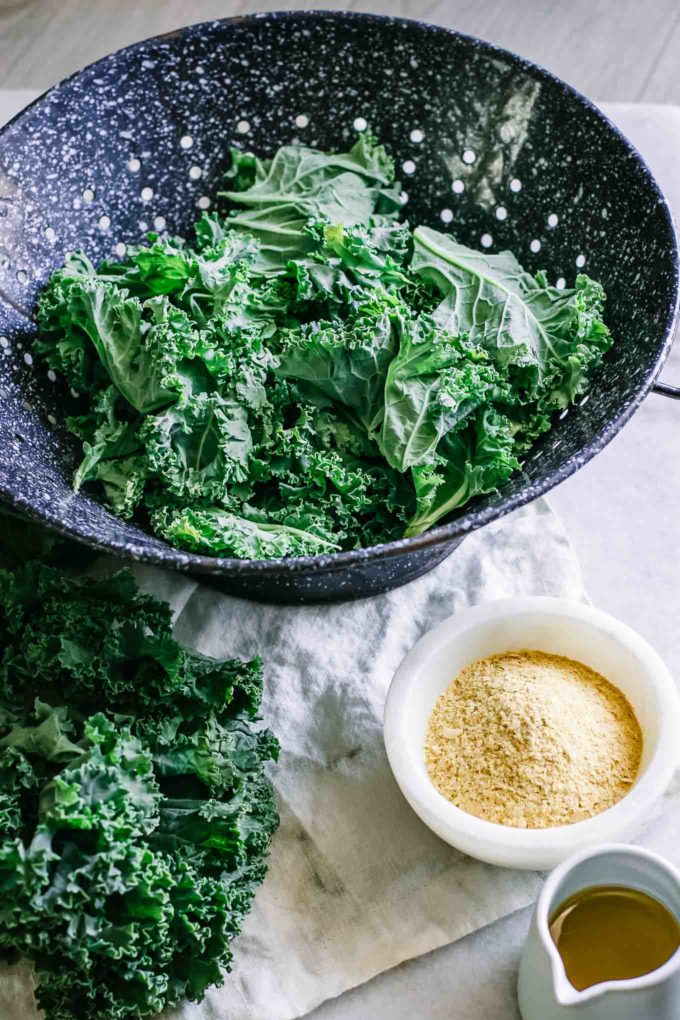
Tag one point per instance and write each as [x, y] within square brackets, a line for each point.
[610, 49]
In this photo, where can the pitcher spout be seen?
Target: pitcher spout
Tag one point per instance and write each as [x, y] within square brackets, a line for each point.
[565, 993]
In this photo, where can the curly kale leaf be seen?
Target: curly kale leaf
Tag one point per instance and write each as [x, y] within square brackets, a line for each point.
[135, 813]
[433, 384]
[283, 194]
[468, 463]
[65, 346]
[201, 283]
[114, 325]
[213, 531]
[113, 452]
[345, 364]
[197, 448]
[48, 737]
[308, 374]
[556, 336]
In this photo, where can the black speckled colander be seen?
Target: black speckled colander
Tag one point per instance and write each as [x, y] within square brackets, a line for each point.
[487, 144]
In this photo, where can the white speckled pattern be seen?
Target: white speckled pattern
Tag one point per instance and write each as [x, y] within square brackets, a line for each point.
[479, 134]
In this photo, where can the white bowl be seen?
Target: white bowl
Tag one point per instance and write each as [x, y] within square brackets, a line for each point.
[548, 625]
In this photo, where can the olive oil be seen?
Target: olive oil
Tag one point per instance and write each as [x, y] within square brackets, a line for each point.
[612, 933]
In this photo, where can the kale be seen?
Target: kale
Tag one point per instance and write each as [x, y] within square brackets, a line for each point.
[308, 374]
[135, 813]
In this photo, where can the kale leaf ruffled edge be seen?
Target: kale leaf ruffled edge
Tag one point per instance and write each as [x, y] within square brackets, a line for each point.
[135, 812]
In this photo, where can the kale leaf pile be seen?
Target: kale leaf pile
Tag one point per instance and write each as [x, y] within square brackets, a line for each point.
[135, 814]
[309, 374]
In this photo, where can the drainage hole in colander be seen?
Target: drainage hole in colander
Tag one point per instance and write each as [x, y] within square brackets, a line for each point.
[458, 187]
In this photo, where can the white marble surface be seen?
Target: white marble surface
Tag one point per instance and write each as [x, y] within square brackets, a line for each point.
[622, 512]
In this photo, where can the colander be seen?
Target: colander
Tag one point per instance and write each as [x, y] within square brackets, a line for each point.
[487, 145]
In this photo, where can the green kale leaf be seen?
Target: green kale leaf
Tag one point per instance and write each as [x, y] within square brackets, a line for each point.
[308, 374]
[468, 463]
[519, 319]
[344, 364]
[216, 532]
[113, 322]
[283, 194]
[135, 813]
[433, 384]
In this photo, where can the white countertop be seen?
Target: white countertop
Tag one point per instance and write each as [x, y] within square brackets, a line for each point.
[622, 512]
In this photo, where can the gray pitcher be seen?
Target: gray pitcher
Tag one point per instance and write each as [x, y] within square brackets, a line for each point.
[545, 992]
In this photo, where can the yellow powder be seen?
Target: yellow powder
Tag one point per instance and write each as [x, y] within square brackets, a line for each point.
[532, 740]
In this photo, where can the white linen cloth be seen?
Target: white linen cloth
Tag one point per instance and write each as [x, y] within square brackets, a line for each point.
[356, 883]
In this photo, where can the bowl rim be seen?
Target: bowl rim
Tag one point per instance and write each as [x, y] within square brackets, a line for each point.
[405, 752]
[161, 552]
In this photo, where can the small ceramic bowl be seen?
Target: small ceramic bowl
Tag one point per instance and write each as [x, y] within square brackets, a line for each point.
[549, 625]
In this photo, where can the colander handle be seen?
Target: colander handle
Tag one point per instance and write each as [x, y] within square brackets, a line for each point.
[666, 390]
